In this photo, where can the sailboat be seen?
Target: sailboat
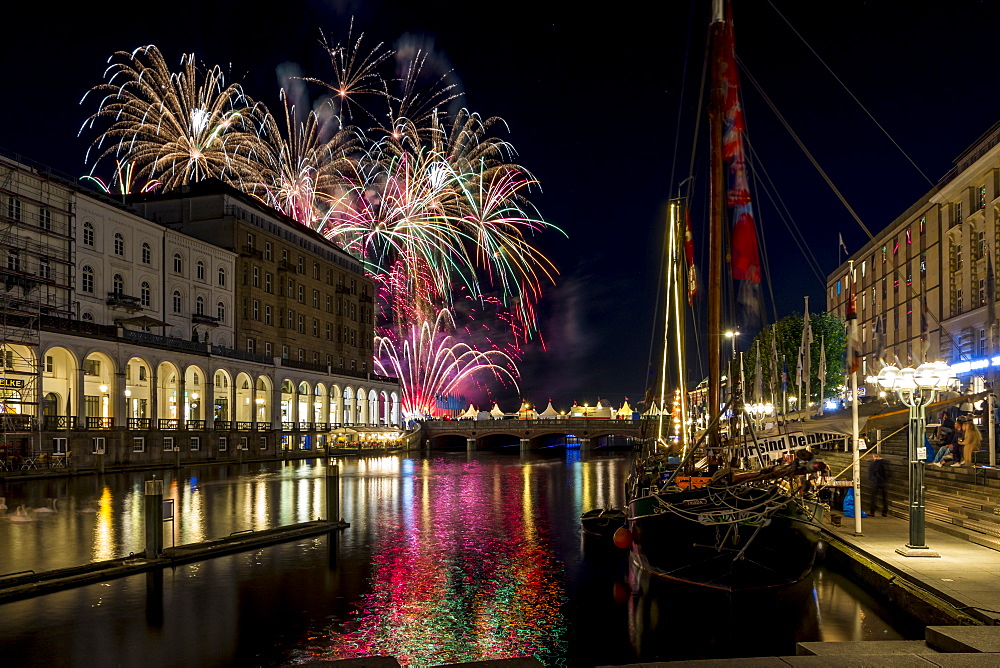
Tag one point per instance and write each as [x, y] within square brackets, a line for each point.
[720, 517]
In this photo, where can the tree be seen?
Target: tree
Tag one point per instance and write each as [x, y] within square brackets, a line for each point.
[827, 328]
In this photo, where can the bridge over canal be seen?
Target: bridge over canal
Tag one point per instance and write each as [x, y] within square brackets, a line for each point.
[585, 433]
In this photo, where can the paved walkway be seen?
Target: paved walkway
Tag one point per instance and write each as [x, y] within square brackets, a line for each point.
[966, 575]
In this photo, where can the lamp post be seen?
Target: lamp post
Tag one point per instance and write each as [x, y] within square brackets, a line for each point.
[732, 334]
[916, 388]
[759, 412]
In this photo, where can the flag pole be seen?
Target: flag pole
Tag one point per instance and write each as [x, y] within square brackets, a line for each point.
[856, 468]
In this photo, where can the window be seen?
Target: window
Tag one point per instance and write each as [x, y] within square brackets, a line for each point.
[97, 445]
[251, 346]
[145, 294]
[168, 443]
[243, 443]
[268, 349]
[138, 444]
[199, 305]
[958, 213]
[220, 311]
[982, 196]
[267, 314]
[119, 244]
[44, 269]
[315, 298]
[14, 208]
[223, 443]
[302, 324]
[263, 442]
[315, 358]
[195, 443]
[256, 310]
[147, 254]
[88, 234]
[329, 332]
[200, 270]
[256, 277]
[14, 260]
[178, 263]
[59, 446]
[118, 284]
[315, 271]
[250, 242]
[315, 327]
[959, 302]
[45, 219]
[302, 355]
[329, 304]
[87, 317]
[301, 265]
[354, 286]
[982, 244]
[302, 294]
[87, 283]
[267, 251]
[49, 364]
[177, 302]
[982, 343]
[284, 352]
[291, 319]
[222, 276]
[267, 283]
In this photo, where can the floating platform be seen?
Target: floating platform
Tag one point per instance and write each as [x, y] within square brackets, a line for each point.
[27, 584]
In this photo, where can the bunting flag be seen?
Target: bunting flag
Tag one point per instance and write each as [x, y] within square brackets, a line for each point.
[991, 293]
[878, 335]
[692, 275]
[853, 352]
[745, 256]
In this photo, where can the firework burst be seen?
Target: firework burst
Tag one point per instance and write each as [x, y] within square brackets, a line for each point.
[175, 127]
[430, 362]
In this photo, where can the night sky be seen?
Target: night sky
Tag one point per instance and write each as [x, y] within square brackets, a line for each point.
[592, 97]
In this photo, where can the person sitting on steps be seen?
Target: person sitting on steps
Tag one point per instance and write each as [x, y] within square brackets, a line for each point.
[949, 436]
[971, 440]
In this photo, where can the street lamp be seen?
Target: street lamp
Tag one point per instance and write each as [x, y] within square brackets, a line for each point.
[759, 412]
[732, 334]
[916, 388]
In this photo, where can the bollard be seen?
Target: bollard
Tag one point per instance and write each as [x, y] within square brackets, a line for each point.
[525, 444]
[154, 518]
[470, 444]
[333, 493]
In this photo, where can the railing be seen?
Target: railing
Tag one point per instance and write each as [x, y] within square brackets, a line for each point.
[241, 355]
[127, 301]
[245, 426]
[343, 290]
[223, 425]
[100, 423]
[168, 424]
[306, 366]
[58, 422]
[285, 265]
[305, 426]
[321, 426]
[203, 319]
[17, 422]
[140, 424]
[250, 251]
[289, 426]
[195, 425]
[78, 326]
[163, 341]
[263, 426]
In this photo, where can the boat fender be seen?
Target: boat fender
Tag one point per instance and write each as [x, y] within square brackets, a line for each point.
[623, 538]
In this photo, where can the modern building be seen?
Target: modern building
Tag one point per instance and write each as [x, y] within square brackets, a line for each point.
[125, 338]
[925, 280]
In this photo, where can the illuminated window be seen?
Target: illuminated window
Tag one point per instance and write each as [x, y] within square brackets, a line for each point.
[982, 197]
[958, 213]
[909, 239]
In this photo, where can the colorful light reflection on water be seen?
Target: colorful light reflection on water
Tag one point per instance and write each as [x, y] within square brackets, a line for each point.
[465, 574]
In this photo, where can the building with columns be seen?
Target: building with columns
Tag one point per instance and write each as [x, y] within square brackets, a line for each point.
[926, 278]
[126, 338]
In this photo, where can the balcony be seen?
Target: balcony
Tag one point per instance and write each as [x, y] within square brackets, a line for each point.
[127, 302]
[13, 278]
[100, 423]
[305, 366]
[58, 422]
[250, 251]
[285, 265]
[202, 319]
[140, 424]
[343, 290]
[232, 353]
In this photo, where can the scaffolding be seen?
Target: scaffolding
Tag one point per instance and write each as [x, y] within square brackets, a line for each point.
[36, 273]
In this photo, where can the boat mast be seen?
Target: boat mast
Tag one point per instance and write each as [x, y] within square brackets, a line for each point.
[716, 214]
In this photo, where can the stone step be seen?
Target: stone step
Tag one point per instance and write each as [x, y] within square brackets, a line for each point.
[963, 639]
[975, 514]
[863, 648]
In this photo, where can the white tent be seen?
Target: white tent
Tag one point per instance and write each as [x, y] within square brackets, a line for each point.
[549, 412]
[469, 414]
[625, 412]
[654, 411]
[495, 412]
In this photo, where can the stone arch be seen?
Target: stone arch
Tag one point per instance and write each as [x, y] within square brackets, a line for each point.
[138, 388]
[222, 391]
[194, 391]
[319, 412]
[287, 401]
[244, 397]
[168, 391]
[303, 398]
[59, 376]
[348, 405]
[394, 408]
[99, 387]
[263, 400]
[336, 404]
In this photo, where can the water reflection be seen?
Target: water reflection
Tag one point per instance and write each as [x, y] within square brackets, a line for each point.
[448, 558]
[466, 574]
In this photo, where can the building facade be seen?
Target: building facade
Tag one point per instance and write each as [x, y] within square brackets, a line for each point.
[125, 338]
[926, 279]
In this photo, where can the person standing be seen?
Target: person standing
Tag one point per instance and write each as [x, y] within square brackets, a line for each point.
[878, 473]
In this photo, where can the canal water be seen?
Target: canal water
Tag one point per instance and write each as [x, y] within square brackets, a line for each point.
[449, 558]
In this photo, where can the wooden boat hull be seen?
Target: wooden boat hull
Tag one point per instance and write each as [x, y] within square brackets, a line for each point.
[737, 539]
